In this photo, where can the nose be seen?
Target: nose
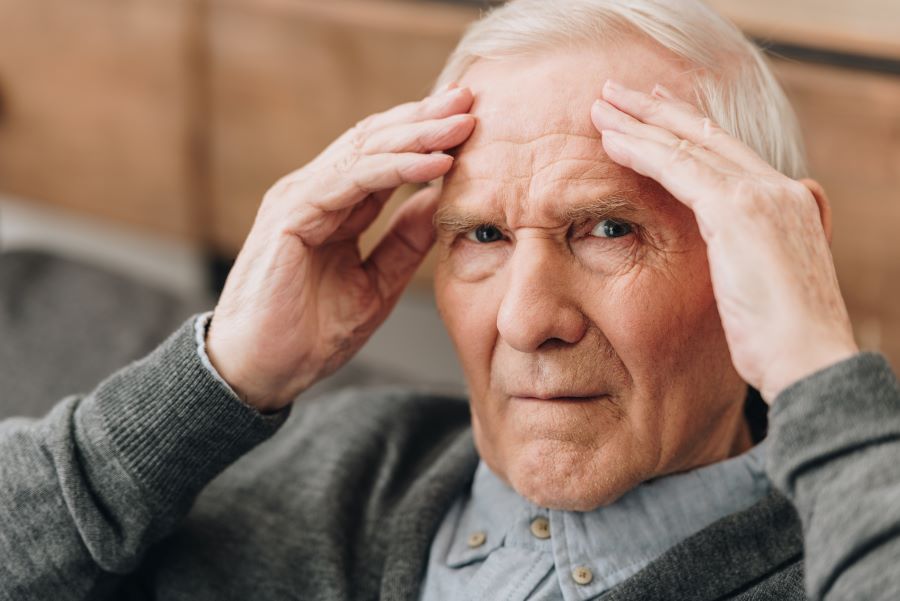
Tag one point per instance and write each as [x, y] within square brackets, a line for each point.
[539, 308]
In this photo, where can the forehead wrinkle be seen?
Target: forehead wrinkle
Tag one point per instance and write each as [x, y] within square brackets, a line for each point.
[564, 169]
[454, 217]
[540, 137]
[481, 142]
[527, 173]
[468, 168]
[555, 192]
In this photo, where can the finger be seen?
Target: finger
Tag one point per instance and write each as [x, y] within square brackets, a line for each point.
[449, 102]
[362, 216]
[683, 119]
[349, 183]
[409, 237]
[606, 116]
[423, 136]
[682, 170]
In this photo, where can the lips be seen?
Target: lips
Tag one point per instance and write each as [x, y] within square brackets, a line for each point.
[562, 396]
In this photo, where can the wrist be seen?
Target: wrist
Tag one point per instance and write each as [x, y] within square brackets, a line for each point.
[251, 391]
[803, 364]
[244, 381]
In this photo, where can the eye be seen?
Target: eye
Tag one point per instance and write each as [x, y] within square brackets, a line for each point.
[485, 234]
[610, 228]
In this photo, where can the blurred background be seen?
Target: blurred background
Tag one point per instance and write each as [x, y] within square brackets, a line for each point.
[137, 138]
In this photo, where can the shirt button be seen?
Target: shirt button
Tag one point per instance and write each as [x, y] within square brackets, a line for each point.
[476, 539]
[540, 528]
[582, 575]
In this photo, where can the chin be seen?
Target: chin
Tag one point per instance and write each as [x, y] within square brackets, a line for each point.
[567, 476]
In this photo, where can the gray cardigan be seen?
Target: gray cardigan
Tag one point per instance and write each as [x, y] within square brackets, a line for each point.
[124, 494]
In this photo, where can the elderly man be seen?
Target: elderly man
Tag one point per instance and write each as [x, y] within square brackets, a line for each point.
[624, 245]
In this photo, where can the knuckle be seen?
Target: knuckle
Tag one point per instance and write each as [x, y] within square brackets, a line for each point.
[357, 138]
[798, 190]
[649, 105]
[366, 123]
[423, 109]
[360, 187]
[682, 153]
[414, 108]
[286, 185]
[347, 162]
[710, 131]
[422, 142]
[400, 172]
[803, 198]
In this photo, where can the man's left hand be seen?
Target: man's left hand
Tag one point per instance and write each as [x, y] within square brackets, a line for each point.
[767, 235]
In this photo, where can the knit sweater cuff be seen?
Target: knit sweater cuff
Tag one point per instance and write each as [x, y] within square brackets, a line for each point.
[172, 424]
[833, 412]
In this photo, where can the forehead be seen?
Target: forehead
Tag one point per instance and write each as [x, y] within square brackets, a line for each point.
[534, 140]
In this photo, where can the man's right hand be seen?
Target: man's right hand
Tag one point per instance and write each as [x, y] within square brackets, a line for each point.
[300, 300]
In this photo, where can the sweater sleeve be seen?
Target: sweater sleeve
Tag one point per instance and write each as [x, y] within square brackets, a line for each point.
[87, 489]
[835, 452]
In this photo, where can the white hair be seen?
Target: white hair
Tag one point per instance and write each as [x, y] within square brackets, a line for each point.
[733, 84]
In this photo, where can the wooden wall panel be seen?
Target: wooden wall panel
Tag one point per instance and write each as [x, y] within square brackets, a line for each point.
[864, 27]
[96, 112]
[289, 76]
[851, 124]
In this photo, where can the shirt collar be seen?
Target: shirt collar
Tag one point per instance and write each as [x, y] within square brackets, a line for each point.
[617, 540]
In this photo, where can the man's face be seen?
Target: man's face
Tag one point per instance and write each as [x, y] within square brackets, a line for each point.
[576, 292]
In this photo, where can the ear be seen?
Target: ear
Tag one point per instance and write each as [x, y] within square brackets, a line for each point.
[824, 206]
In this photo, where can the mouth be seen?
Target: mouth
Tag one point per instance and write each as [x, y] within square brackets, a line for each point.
[560, 397]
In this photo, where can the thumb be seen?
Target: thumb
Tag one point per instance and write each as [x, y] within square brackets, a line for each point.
[409, 237]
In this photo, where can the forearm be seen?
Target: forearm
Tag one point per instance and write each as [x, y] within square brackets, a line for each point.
[835, 452]
[85, 490]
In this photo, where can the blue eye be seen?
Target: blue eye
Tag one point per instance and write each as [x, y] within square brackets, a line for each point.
[609, 228]
[485, 234]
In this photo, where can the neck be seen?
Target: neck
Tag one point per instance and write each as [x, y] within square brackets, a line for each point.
[743, 441]
[729, 437]
[736, 433]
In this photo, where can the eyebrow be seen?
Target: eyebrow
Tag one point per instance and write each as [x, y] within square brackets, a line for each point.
[452, 218]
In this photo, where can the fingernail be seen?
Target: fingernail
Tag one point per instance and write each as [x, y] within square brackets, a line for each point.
[612, 86]
[611, 139]
[663, 92]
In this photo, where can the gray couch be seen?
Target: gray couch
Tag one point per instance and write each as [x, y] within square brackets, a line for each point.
[64, 326]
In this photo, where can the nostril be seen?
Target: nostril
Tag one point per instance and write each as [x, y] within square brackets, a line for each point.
[553, 343]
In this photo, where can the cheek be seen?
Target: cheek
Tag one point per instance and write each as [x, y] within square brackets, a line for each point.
[607, 258]
[662, 321]
[469, 312]
[472, 262]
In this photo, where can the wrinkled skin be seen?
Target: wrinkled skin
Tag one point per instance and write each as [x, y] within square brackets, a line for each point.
[630, 322]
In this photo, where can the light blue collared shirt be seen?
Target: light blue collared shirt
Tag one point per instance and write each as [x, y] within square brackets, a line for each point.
[585, 554]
